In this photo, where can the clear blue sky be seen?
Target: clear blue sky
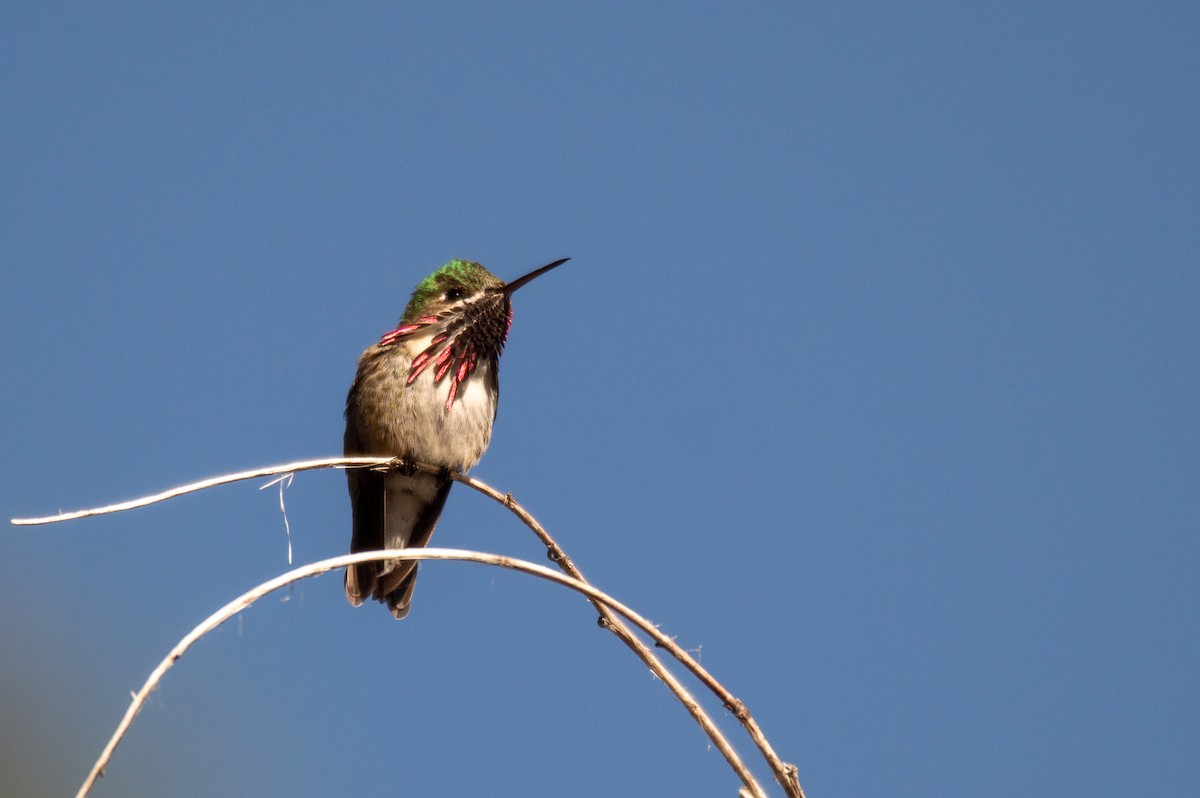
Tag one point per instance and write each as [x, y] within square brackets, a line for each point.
[874, 378]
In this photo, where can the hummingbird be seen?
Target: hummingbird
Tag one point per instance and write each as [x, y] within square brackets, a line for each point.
[426, 393]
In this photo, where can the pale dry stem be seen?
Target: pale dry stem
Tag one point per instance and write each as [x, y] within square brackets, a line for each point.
[785, 774]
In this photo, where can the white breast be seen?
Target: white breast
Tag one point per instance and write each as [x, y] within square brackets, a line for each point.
[456, 438]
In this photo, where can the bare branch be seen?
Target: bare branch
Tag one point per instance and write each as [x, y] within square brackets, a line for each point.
[785, 774]
[246, 599]
[290, 468]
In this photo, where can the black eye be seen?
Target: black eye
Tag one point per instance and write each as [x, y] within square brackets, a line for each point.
[454, 294]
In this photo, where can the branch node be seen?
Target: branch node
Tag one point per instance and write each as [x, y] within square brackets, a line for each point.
[737, 709]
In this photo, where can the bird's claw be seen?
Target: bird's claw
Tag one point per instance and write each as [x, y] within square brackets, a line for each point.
[404, 466]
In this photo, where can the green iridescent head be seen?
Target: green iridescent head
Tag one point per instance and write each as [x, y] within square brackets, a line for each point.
[449, 285]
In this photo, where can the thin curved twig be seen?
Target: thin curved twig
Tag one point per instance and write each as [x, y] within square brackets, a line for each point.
[785, 773]
[192, 487]
[249, 597]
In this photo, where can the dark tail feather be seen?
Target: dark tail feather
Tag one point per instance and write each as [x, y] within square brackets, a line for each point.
[366, 505]
[391, 582]
[400, 600]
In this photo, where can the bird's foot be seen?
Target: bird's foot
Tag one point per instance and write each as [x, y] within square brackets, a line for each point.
[404, 466]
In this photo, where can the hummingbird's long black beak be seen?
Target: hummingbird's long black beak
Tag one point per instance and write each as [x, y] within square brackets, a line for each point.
[520, 281]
